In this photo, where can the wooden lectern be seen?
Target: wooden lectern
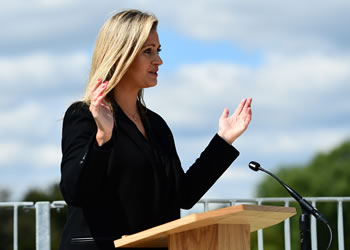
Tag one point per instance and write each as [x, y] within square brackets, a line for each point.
[226, 228]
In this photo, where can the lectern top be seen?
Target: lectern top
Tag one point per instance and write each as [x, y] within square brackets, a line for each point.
[258, 217]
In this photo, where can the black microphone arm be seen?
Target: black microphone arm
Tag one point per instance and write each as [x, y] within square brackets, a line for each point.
[303, 203]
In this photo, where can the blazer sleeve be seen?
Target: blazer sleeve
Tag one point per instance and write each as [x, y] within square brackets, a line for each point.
[206, 170]
[84, 164]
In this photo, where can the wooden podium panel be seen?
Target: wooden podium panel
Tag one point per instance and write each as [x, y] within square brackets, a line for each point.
[213, 237]
[256, 217]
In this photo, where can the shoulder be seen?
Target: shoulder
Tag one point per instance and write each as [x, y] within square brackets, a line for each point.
[77, 107]
[78, 113]
[161, 131]
[156, 120]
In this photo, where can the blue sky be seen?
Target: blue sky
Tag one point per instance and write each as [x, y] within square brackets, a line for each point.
[292, 58]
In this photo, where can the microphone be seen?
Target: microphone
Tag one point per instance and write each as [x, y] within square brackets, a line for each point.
[303, 203]
[254, 166]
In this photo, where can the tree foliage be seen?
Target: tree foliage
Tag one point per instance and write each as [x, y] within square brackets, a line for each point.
[326, 175]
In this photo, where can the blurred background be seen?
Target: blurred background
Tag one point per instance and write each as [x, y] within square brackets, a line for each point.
[292, 58]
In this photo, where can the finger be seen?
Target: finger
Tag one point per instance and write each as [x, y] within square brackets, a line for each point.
[224, 113]
[99, 100]
[249, 115]
[95, 86]
[240, 107]
[94, 91]
[105, 105]
[247, 105]
[95, 105]
[98, 97]
[99, 91]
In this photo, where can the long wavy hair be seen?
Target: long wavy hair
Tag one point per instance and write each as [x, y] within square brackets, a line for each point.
[119, 41]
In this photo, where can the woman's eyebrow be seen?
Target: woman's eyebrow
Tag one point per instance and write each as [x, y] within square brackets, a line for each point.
[151, 44]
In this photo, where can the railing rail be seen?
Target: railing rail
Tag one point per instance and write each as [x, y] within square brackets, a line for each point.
[43, 234]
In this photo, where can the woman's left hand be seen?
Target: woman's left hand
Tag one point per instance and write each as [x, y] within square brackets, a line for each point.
[230, 128]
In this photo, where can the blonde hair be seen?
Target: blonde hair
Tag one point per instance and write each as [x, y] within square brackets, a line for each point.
[118, 42]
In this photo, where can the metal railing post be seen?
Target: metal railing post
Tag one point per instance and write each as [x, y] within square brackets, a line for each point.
[206, 206]
[15, 227]
[260, 233]
[313, 229]
[287, 241]
[42, 225]
[340, 226]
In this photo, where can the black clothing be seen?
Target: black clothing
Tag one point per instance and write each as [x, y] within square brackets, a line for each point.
[130, 183]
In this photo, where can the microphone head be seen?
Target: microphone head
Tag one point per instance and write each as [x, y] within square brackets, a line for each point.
[254, 166]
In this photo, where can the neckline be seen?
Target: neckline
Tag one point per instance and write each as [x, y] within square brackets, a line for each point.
[120, 112]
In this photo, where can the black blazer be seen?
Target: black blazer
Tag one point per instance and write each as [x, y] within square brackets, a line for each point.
[130, 183]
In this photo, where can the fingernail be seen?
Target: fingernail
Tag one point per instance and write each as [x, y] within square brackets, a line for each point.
[103, 85]
[99, 79]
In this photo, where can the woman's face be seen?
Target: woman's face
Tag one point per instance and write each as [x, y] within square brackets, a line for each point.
[143, 72]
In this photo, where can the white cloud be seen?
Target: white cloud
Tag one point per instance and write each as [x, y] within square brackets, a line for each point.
[30, 118]
[8, 152]
[300, 106]
[271, 24]
[312, 72]
[56, 3]
[281, 87]
[300, 88]
[31, 155]
[46, 156]
[294, 142]
[38, 24]
[293, 26]
[238, 174]
[42, 70]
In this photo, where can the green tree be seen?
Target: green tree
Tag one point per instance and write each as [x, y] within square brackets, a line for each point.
[327, 174]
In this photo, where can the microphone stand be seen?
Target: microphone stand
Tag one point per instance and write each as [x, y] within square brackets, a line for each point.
[304, 226]
[304, 220]
[307, 209]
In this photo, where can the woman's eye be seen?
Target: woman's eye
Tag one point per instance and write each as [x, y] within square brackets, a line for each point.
[150, 51]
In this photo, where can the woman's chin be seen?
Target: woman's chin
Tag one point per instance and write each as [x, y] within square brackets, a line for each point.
[151, 84]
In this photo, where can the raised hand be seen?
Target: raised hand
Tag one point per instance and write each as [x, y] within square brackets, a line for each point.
[230, 128]
[101, 112]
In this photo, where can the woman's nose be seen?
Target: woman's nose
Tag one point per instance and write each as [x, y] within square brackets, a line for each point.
[158, 60]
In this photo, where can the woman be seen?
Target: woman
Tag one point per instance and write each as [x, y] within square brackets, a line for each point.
[120, 170]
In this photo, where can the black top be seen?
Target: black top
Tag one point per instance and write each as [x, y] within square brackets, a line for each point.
[130, 183]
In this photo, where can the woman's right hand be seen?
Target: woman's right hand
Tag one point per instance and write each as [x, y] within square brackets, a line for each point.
[101, 112]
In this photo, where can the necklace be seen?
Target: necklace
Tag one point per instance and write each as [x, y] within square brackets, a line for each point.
[133, 116]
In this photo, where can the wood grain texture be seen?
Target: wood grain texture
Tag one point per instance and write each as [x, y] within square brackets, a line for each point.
[201, 238]
[257, 217]
[234, 237]
[213, 237]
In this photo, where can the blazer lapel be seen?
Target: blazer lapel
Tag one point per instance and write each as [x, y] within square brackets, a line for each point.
[123, 123]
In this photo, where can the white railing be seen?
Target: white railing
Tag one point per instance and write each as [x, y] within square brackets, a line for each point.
[42, 217]
[15, 206]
